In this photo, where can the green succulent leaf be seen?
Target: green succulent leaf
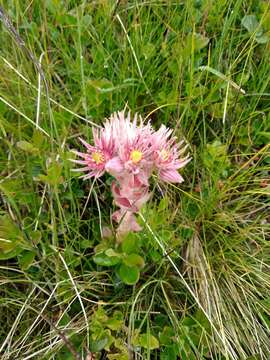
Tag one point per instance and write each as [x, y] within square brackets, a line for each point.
[147, 341]
[105, 260]
[129, 274]
[134, 260]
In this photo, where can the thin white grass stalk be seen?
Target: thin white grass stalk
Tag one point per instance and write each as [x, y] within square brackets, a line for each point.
[39, 91]
[88, 197]
[217, 305]
[22, 346]
[202, 271]
[41, 351]
[84, 102]
[5, 240]
[40, 206]
[15, 324]
[225, 105]
[62, 148]
[173, 318]
[158, 108]
[52, 100]
[24, 116]
[147, 312]
[13, 354]
[254, 326]
[225, 343]
[99, 213]
[131, 46]
[66, 327]
[100, 302]
[133, 308]
[65, 311]
[222, 76]
[37, 318]
[9, 175]
[31, 346]
[11, 269]
[234, 311]
[15, 70]
[78, 296]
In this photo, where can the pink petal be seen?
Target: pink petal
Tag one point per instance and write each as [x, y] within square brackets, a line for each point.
[171, 176]
[182, 163]
[132, 223]
[81, 162]
[96, 133]
[121, 201]
[83, 155]
[94, 173]
[106, 232]
[128, 223]
[86, 168]
[143, 177]
[117, 215]
[88, 146]
[144, 197]
[114, 166]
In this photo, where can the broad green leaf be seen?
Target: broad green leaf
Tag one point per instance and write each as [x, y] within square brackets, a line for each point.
[38, 140]
[26, 258]
[201, 41]
[134, 260]
[100, 316]
[54, 174]
[163, 204]
[130, 243]
[12, 241]
[216, 110]
[65, 320]
[167, 335]
[250, 23]
[85, 244]
[10, 254]
[262, 39]
[170, 353]
[148, 341]
[105, 260]
[118, 357]
[196, 42]
[112, 253]
[35, 236]
[120, 344]
[66, 20]
[148, 50]
[98, 344]
[129, 275]
[27, 147]
[116, 321]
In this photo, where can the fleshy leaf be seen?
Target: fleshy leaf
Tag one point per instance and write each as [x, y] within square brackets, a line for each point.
[129, 274]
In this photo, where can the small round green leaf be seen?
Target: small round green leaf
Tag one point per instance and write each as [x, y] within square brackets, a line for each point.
[129, 274]
[105, 260]
[134, 260]
[130, 243]
[148, 341]
[26, 259]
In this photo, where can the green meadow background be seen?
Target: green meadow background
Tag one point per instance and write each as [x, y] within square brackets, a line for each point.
[195, 282]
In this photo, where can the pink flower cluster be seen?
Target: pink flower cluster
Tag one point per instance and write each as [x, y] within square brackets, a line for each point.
[131, 152]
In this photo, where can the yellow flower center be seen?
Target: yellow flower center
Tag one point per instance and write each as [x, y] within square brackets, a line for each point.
[136, 156]
[164, 155]
[97, 157]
